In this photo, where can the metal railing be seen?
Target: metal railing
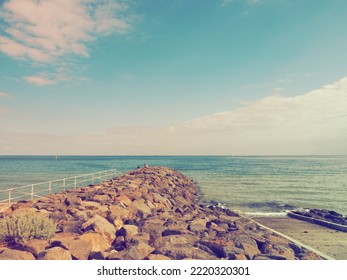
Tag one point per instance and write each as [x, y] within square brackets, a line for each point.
[33, 191]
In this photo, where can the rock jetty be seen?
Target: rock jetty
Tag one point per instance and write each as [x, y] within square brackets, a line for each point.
[150, 213]
[323, 214]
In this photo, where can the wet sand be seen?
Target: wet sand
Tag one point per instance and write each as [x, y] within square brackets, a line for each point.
[328, 241]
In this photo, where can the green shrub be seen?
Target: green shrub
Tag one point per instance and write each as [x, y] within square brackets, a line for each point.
[24, 226]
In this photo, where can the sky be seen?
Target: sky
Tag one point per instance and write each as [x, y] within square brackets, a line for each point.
[180, 77]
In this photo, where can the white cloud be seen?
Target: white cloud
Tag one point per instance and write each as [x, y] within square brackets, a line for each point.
[4, 95]
[39, 80]
[43, 31]
[313, 123]
[47, 79]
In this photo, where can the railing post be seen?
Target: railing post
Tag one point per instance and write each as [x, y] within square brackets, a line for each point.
[9, 197]
[32, 191]
[64, 184]
[50, 187]
[75, 185]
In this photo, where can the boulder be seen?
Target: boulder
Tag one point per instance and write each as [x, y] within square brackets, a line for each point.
[140, 250]
[142, 207]
[55, 253]
[79, 248]
[279, 250]
[102, 198]
[35, 246]
[157, 257]
[118, 224]
[72, 200]
[184, 251]
[21, 204]
[131, 230]
[248, 244]
[115, 255]
[124, 200]
[197, 225]
[97, 242]
[116, 211]
[94, 206]
[238, 256]
[11, 254]
[175, 239]
[221, 248]
[100, 225]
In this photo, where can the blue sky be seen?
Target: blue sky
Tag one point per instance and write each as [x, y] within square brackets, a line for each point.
[173, 77]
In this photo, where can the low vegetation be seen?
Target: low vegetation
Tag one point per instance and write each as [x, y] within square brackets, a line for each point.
[24, 226]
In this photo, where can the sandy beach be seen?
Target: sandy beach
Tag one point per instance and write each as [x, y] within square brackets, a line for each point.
[328, 241]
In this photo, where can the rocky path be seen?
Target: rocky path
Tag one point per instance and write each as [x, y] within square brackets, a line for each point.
[149, 213]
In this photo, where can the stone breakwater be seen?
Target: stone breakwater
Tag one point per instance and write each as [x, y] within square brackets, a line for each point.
[150, 213]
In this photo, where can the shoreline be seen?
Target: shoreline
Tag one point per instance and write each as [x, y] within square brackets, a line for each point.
[148, 213]
[328, 241]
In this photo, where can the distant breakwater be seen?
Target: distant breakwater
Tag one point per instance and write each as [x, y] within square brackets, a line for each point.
[149, 213]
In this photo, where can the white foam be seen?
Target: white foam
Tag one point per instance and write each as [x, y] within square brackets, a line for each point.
[265, 214]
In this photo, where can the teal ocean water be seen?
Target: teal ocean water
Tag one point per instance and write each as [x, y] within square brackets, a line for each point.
[267, 185]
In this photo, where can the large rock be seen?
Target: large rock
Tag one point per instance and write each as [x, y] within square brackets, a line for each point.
[102, 198]
[94, 206]
[184, 251]
[142, 207]
[97, 242]
[55, 253]
[124, 200]
[10, 254]
[100, 225]
[79, 248]
[119, 212]
[248, 244]
[131, 230]
[197, 225]
[35, 246]
[140, 250]
[72, 200]
[221, 248]
[175, 239]
[157, 257]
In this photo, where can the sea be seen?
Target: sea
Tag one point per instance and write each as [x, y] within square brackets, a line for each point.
[252, 185]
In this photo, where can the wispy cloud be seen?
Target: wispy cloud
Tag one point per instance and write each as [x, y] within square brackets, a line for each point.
[278, 90]
[46, 32]
[39, 80]
[4, 94]
[47, 78]
[312, 123]
[5, 111]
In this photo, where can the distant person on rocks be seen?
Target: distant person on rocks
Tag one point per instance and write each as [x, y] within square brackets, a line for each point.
[145, 165]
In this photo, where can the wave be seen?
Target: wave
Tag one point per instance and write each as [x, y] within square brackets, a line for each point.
[264, 214]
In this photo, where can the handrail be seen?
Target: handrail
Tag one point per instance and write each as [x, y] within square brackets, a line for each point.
[31, 191]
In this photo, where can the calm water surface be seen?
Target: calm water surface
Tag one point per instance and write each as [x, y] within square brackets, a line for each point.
[249, 184]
